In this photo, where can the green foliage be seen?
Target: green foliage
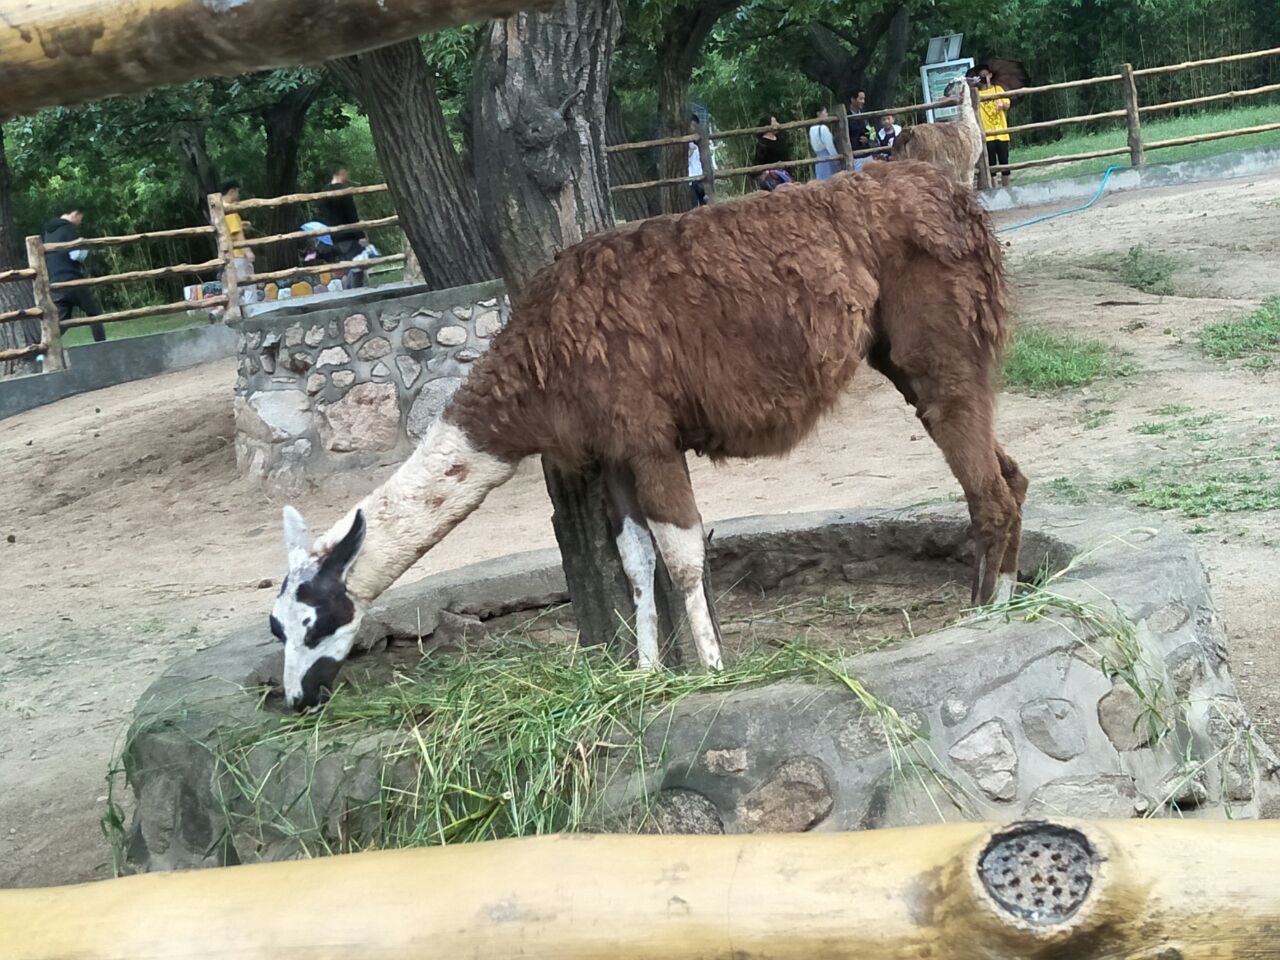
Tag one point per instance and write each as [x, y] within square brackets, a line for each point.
[1147, 270]
[1066, 490]
[1041, 362]
[1256, 337]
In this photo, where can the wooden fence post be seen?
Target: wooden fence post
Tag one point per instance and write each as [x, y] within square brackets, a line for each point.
[1137, 156]
[708, 164]
[50, 329]
[226, 253]
[846, 143]
[984, 163]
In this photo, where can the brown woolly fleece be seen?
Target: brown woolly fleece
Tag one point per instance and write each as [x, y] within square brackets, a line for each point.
[731, 329]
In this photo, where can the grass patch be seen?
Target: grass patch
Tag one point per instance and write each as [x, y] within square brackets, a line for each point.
[480, 748]
[1152, 130]
[1093, 419]
[1066, 490]
[1147, 270]
[1216, 491]
[141, 327]
[1254, 337]
[1041, 362]
[1171, 410]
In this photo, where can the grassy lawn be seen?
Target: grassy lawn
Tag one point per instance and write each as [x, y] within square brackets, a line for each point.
[1152, 130]
[142, 327]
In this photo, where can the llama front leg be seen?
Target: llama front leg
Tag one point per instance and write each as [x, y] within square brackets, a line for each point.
[639, 561]
[665, 495]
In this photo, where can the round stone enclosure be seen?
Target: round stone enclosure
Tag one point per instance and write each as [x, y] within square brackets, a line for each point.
[1105, 694]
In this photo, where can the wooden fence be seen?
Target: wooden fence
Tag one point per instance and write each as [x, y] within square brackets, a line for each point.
[1132, 113]
[221, 265]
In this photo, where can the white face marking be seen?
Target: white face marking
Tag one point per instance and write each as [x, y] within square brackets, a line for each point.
[683, 550]
[315, 604]
[635, 546]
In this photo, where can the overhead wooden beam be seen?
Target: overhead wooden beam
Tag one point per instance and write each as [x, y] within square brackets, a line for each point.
[71, 51]
[1190, 890]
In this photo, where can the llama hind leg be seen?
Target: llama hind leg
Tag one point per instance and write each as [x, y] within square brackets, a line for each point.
[1017, 484]
[666, 497]
[639, 562]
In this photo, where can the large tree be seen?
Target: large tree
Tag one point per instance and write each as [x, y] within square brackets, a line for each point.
[13, 296]
[540, 87]
[434, 195]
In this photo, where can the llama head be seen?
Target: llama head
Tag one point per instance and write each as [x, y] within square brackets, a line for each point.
[957, 90]
[314, 616]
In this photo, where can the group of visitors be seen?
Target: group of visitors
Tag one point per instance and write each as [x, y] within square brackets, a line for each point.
[771, 149]
[345, 246]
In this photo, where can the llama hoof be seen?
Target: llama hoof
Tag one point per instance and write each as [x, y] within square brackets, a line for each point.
[1004, 589]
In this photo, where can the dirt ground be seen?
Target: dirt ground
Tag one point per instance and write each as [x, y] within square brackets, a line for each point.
[133, 541]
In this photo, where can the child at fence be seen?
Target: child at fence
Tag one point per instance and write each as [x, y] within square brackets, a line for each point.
[242, 257]
[66, 265]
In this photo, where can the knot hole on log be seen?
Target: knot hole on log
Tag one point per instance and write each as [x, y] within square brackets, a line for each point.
[1039, 872]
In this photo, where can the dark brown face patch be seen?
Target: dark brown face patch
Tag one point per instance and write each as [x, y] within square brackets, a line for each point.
[334, 608]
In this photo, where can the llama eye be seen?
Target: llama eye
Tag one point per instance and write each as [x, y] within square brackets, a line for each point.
[308, 622]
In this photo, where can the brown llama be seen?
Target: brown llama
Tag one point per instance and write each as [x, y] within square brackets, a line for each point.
[728, 330]
[954, 148]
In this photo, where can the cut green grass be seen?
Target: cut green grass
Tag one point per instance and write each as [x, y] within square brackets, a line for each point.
[476, 748]
[1042, 362]
[1255, 337]
[1152, 130]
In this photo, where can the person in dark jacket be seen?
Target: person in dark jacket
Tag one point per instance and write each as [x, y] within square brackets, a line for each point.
[335, 211]
[69, 265]
[771, 147]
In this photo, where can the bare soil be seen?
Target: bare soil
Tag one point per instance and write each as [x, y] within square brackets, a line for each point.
[127, 538]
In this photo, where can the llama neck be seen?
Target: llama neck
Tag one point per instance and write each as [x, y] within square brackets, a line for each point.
[444, 480]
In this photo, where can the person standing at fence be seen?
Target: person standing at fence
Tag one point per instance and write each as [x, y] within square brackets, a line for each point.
[66, 265]
[995, 120]
[823, 145]
[771, 148]
[339, 210]
[859, 130]
[697, 187]
[242, 257]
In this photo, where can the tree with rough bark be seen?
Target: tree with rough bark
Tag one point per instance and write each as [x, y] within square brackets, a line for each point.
[539, 104]
[433, 193]
[13, 296]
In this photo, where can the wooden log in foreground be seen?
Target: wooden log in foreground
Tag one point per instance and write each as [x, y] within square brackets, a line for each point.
[70, 51]
[1172, 890]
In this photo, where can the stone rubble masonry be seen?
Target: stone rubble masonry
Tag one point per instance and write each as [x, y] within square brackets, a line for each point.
[323, 390]
[996, 719]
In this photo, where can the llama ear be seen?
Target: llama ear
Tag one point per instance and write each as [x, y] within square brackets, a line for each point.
[338, 562]
[296, 535]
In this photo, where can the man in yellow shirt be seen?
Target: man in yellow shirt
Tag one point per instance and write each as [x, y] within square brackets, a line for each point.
[995, 121]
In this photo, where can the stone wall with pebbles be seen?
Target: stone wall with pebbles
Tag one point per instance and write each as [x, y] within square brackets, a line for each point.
[1108, 696]
[327, 389]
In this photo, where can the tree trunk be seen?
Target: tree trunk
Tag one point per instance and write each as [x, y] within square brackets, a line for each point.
[685, 29]
[627, 168]
[13, 296]
[284, 123]
[538, 106]
[435, 199]
[897, 39]
[198, 172]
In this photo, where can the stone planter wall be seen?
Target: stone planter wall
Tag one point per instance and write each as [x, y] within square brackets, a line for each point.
[327, 389]
[1008, 718]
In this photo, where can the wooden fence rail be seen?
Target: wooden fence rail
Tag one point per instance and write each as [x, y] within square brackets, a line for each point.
[1132, 113]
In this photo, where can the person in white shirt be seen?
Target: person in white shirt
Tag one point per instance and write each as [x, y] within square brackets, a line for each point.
[823, 146]
[698, 187]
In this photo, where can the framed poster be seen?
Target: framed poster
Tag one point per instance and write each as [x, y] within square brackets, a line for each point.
[934, 78]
